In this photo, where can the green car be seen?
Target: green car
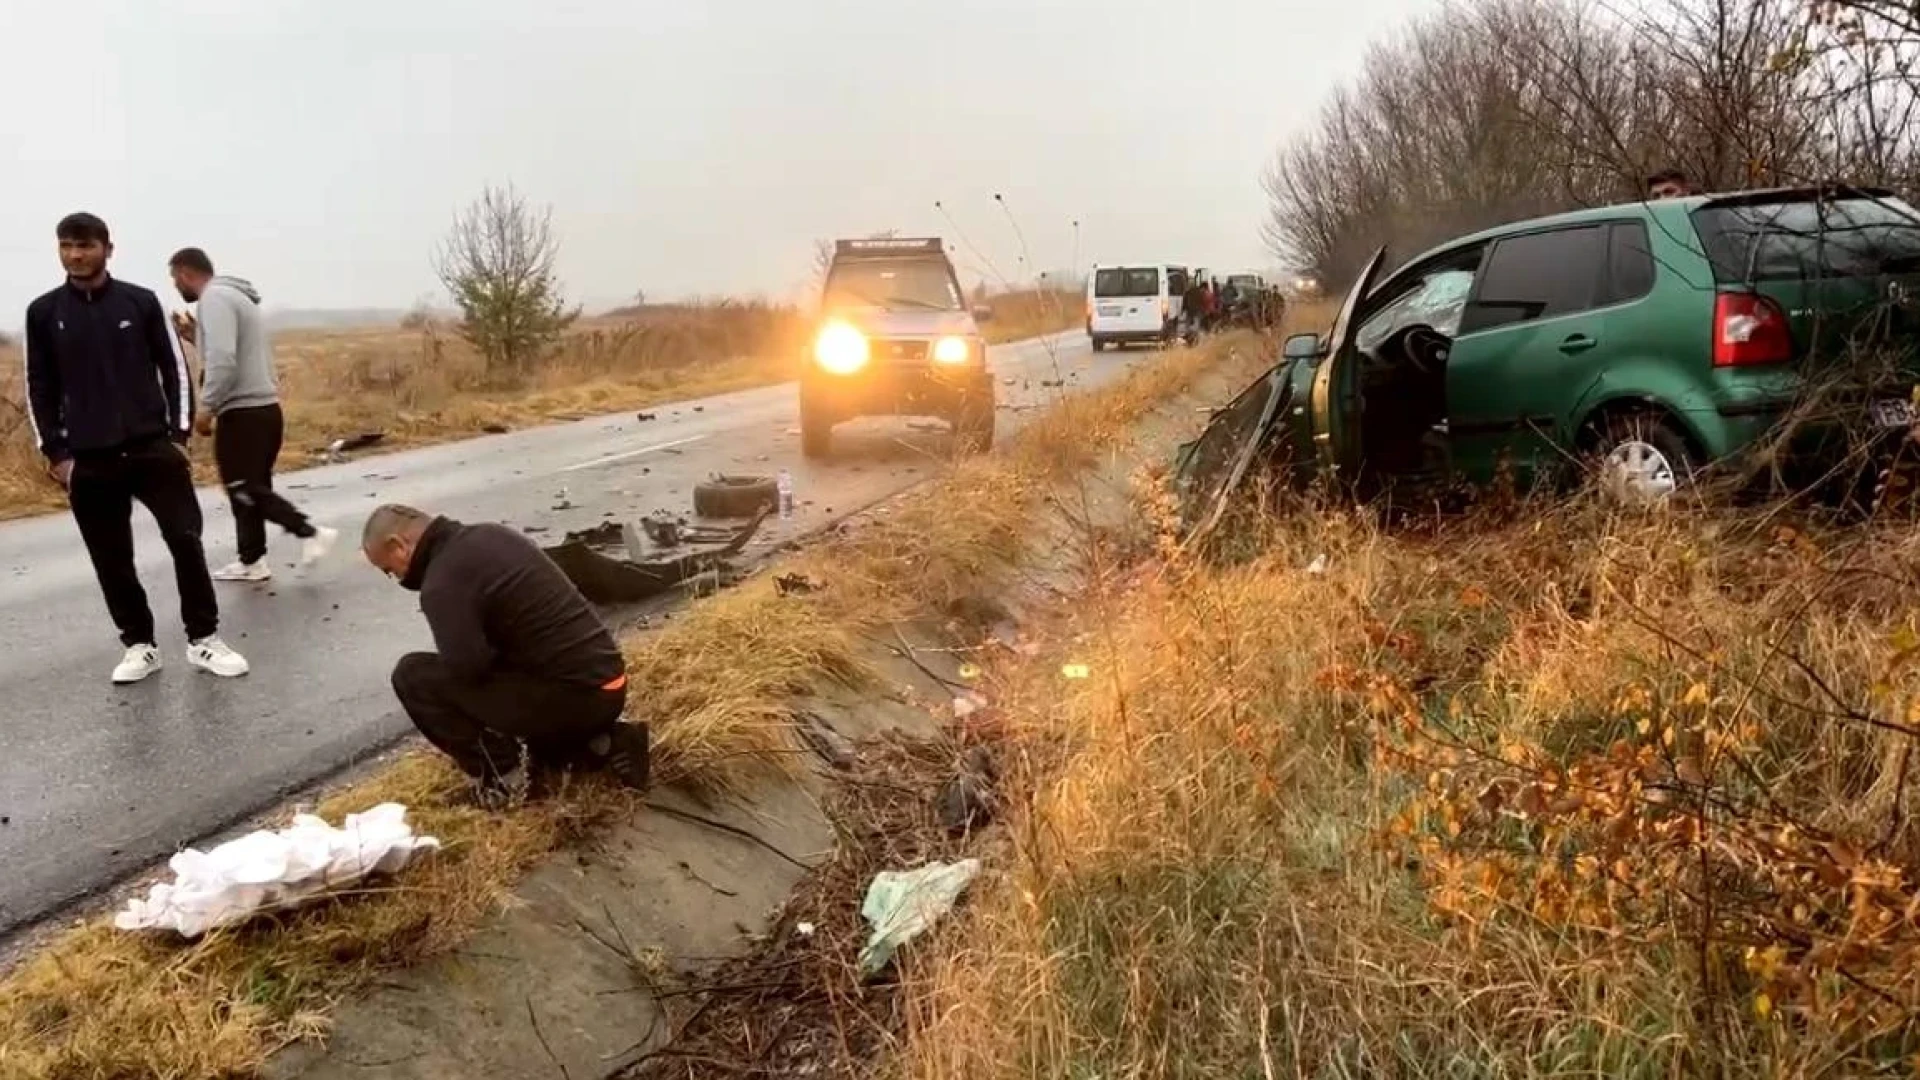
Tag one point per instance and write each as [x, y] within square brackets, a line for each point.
[1657, 339]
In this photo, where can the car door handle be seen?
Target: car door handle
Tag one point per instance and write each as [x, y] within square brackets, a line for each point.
[1577, 343]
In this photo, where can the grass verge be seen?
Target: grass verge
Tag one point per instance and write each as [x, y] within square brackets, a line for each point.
[97, 1004]
[425, 385]
[1561, 793]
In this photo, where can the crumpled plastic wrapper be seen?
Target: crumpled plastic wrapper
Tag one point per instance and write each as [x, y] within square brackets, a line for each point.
[901, 906]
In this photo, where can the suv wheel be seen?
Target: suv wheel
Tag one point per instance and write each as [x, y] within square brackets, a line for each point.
[816, 429]
[1642, 458]
[973, 425]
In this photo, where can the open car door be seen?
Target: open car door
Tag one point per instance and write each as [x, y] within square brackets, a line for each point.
[1210, 469]
[1334, 410]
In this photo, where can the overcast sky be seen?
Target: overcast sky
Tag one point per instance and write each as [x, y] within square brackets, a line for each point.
[320, 147]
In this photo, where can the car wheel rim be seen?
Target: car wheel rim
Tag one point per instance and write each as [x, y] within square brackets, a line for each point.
[1639, 471]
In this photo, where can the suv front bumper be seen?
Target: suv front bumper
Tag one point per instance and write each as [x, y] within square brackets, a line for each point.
[899, 389]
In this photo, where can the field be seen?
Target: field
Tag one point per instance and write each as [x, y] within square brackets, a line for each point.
[425, 384]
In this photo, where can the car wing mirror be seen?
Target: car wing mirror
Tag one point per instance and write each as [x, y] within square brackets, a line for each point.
[1302, 347]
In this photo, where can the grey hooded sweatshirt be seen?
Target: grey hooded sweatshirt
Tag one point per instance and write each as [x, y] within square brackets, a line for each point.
[235, 352]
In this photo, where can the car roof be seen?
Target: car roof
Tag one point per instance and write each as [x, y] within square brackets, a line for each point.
[1664, 210]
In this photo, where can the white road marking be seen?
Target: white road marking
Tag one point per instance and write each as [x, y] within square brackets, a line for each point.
[610, 458]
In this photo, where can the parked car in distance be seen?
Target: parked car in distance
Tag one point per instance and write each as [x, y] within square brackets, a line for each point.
[1136, 304]
[1654, 338]
[895, 338]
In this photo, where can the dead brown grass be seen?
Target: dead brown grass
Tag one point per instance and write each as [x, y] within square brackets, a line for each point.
[426, 385]
[1560, 792]
[98, 1005]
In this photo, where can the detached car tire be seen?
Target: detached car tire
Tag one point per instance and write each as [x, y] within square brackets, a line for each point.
[735, 496]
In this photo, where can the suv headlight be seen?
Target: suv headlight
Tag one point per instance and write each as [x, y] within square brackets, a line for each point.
[951, 350]
[840, 349]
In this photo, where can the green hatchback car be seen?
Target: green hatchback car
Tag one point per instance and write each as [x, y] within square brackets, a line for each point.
[1655, 338]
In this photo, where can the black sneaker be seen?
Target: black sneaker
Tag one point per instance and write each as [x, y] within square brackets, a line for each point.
[628, 754]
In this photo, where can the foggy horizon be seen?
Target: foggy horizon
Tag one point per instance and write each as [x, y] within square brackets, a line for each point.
[685, 151]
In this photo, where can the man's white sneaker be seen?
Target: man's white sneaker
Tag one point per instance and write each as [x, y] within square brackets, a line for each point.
[140, 662]
[216, 657]
[241, 571]
[316, 547]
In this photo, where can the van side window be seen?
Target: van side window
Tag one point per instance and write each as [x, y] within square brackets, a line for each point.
[1629, 264]
[1538, 276]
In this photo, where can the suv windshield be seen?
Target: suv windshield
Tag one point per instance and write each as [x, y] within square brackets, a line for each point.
[1127, 281]
[1804, 239]
[893, 284]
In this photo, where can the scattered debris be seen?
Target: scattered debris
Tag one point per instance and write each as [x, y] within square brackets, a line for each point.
[1052, 384]
[1318, 565]
[804, 929]
[966, 800]
[271, 870]
[967, 704]
[903, 905]
[645, 416]
[969, 671]
[606, 580]
[664, 532]
[1075, 671]
[699, 408]
[494, 429]
[795, 585]
[338, 448]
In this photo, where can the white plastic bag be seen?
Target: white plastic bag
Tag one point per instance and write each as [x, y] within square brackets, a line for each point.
[269, 870]
[902, 905]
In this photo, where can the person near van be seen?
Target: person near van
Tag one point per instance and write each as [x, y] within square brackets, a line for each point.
[1193, 304]
[111, 406]
[241, 410]
[520, 656]
[1668, 184]
[1230, 301]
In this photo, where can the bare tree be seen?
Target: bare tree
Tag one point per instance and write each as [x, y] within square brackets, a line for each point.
[497, 262]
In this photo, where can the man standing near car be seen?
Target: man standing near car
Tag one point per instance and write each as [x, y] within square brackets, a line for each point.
[241, 410]
[111, 406]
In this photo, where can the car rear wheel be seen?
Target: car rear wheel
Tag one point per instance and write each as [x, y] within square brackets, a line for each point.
[1099, 345]
[1641, 458]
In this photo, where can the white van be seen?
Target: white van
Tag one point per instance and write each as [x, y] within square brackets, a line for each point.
[1135, 304]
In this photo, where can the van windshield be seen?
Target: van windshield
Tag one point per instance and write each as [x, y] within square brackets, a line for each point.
[1805, 239]
[1127, 281]
[892, 284]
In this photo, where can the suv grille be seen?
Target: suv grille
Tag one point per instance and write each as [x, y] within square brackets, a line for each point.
[900, 350]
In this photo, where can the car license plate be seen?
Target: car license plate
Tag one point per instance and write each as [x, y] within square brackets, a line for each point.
[1109, 309]
[1893, 413]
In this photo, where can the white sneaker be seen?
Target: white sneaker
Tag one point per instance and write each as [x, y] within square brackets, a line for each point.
[215, 657]
[241, 571]
[140, 662]
[316, 547]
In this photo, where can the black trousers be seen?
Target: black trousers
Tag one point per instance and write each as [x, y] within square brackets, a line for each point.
[481, 725]
[245, 444]
[102, 491]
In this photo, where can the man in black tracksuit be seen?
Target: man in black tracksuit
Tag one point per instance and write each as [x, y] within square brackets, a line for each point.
[111, 405]
[522, 657]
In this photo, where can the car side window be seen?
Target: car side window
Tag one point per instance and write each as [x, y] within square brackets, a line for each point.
[1538, 276]
[1630, 269]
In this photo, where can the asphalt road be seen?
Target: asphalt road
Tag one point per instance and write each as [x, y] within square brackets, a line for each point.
[98, 781]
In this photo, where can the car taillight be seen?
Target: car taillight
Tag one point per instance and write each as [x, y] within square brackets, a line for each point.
[1749, 329]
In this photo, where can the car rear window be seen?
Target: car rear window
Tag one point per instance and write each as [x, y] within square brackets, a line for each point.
[1803, 239]
[1127, 281]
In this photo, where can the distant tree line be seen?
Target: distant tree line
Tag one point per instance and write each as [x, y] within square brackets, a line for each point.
[1496, 110]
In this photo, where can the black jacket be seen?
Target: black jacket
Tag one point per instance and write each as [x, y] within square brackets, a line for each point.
[497, 604]
[104, 370]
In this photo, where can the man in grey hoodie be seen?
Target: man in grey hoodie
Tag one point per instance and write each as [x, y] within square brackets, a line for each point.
[242, 404]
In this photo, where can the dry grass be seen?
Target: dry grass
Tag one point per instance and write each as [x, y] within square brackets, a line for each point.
[96, 1005]
[425, 385]
[1556, 793]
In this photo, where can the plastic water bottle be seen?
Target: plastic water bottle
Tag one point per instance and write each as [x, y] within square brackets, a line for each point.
[785, 486]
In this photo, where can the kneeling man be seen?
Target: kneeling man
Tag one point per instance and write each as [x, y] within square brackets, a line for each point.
[522, 659]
